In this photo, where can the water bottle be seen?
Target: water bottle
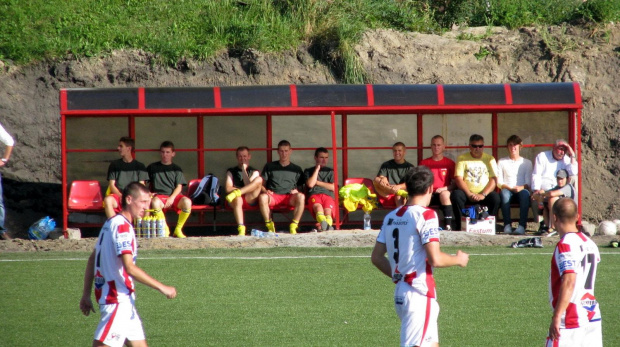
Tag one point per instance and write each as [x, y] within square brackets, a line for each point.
[146, 226]
[153, 227]
[262, 234]
[366, 221]
[138, 227]
[160, 227]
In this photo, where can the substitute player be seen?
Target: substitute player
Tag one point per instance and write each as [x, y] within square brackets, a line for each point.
[576, 319]
[410, 238]
[112, 268]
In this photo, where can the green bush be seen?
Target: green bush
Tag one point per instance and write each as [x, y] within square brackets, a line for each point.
[175, 30]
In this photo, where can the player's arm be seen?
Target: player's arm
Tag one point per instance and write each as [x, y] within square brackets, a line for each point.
[86, 304]
[229, 183]
[566, 291]
[328, 186]
[460, 184]
[379, 260]
[141, 276]
[173, 196]
[490, 187]
[437, 258]
[314, 178]
[248, 179]
[113, 189]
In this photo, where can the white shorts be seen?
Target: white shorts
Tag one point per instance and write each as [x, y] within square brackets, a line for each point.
[119, 322]
[594, 334]
[418, 316]
[569, 338]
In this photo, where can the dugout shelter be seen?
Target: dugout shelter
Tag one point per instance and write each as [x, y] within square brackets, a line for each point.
[357, 124]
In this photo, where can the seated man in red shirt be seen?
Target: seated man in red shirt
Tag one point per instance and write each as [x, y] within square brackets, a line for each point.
[443, 171]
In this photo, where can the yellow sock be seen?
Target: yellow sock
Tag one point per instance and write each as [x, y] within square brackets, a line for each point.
[293, 227]
[178, 231]
[159, 214]
[271, 227]
[329, 220]
[320, 217]
[241, 229]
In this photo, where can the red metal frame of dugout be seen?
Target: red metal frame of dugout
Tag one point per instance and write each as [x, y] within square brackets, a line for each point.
[573, 111]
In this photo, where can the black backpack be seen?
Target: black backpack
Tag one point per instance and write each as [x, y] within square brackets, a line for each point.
[208, 191]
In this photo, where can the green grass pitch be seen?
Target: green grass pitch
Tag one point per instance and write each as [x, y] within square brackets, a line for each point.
[294, 297]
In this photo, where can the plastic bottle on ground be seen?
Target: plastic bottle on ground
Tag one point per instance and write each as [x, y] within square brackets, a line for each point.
[367, 221]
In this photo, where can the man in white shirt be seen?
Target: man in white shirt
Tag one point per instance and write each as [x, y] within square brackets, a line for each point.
[513, 179]
[8, 141]
[546, 165]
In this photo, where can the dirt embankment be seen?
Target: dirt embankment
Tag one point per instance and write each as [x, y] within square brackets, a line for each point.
[590, 56]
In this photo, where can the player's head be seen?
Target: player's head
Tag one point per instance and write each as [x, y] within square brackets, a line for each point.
[136, 199]
[127, 142]
[437, 145]
[243, 155]
[514, 144]
[561, 177]
[284, 150]
[418, 180]
[166, 152]
[565, 211]
[321, 155]
[398, 152]
[476, 145]
[559, 149]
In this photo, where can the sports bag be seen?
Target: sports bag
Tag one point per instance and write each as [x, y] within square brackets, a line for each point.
[208, 191]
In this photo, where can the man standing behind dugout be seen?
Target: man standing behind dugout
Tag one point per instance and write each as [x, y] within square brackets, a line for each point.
[475, 178]
[167, 181]
[443, 172]
[121, 172]
[410, 238]
[320, 182]
[243, 186]
[576, 319]
[281, 181]
[112, 268]
[390, 181]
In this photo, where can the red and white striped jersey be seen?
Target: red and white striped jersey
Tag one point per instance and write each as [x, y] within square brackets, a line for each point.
[576, 253]
[405, 231]
[112, 283]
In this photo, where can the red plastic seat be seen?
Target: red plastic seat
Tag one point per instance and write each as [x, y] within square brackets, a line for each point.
[85, 196]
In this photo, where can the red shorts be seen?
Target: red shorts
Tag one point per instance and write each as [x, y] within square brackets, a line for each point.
[280, 201]
[119, 206]
[387, 201]
[175, 203]
[322, 199]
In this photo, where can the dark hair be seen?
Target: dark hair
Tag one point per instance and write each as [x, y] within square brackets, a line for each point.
[129, 142]
[515, 139]
[475, 137]
[167, 144]
[565, 209]
[284, 143]
[242, 148]
[418, 179]
[399, 144]
[133, 189]
[320, 150]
